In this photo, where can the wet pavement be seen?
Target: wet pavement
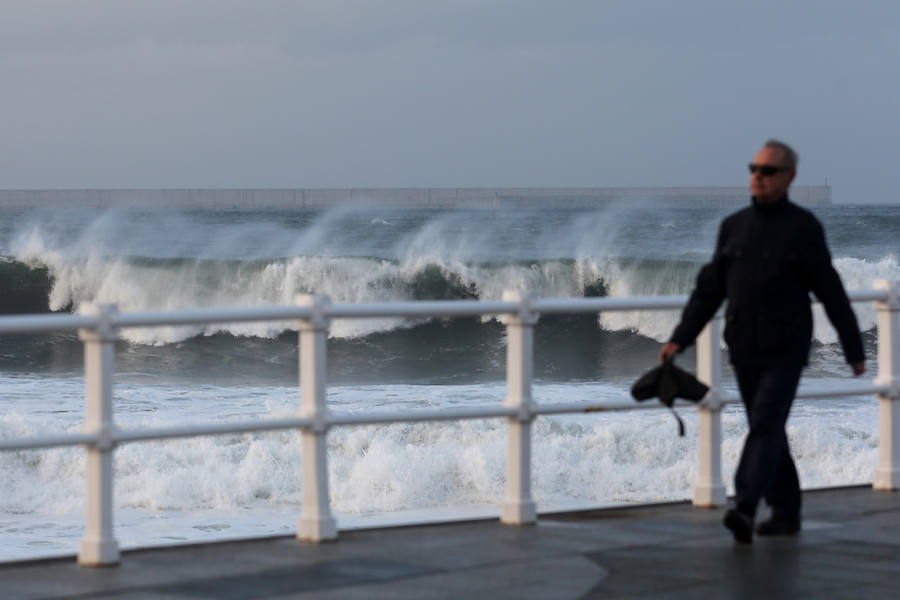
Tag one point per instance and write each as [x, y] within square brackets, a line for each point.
[849, 548]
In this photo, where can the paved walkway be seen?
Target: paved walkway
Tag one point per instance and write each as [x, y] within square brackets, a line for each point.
[849, 548]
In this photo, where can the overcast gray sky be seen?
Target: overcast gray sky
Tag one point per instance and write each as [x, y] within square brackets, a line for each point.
[455, 93]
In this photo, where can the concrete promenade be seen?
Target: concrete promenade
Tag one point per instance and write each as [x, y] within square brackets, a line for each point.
[849, 548]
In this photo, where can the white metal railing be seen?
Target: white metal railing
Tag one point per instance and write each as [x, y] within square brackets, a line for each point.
[99, 329]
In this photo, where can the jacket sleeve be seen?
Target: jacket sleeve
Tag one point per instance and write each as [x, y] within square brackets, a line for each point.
[826, 284]
[708, 295]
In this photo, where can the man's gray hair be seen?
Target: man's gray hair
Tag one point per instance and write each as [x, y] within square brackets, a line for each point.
[790, 157]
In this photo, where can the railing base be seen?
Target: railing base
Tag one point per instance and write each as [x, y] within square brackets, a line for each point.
[711, 496]
[98, 553]
[887, 479]
[312, 529]
[518, 513]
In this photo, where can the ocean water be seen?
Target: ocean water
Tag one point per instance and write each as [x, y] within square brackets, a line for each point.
[146, 258]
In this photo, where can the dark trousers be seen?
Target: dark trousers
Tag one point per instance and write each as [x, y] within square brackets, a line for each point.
[766, 469]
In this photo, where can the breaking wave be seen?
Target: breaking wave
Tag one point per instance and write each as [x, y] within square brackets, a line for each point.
[378, 259]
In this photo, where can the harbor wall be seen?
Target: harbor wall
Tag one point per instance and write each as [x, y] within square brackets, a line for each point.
[402, 197]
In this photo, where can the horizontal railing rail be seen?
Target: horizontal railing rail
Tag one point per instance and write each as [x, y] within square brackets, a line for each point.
[99, 329]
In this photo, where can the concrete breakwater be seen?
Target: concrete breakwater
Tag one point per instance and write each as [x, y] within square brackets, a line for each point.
[491, 198]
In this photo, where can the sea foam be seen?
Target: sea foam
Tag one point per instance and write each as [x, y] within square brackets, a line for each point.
[620, 457]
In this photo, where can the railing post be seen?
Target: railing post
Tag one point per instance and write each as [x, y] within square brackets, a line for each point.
[709, 491]
[99, 546]
[518, 508]
[887, 474]
[316, 523]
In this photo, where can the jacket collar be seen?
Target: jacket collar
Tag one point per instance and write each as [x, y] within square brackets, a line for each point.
[769, 207]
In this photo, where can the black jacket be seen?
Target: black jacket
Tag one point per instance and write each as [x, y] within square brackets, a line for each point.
[768, 258]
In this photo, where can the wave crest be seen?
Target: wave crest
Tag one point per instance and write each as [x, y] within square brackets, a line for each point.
[43, 278]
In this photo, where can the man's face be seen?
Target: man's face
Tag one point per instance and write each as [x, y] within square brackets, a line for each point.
[769, 188]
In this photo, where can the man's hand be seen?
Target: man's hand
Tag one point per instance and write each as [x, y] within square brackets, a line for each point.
[669, 349]
[858, 368]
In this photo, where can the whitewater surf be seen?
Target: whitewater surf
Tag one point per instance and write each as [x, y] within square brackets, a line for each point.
[147, 258]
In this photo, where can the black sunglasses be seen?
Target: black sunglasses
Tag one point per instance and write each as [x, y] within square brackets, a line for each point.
[765, 170]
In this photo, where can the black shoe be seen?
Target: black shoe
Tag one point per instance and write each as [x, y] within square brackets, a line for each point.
[740, 524]
[778, 527]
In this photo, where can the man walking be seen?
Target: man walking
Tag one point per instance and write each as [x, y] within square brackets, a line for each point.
[768, 257]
